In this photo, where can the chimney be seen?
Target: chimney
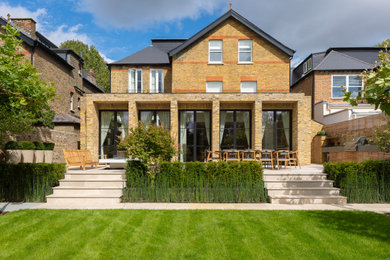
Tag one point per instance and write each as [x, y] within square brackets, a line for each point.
[27, 25]
[91, 76]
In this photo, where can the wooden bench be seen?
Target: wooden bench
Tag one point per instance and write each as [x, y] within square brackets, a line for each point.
[80, 158]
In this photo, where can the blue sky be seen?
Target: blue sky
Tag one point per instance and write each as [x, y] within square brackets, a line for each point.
[118, 28]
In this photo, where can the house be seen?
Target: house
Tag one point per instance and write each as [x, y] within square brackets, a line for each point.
[64, 68]
[226, 87]
[321, 75]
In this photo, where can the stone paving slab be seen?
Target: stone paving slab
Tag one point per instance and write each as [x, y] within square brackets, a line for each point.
[14, 206]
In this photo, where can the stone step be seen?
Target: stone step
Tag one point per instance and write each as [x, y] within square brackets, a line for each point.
[84, 191]
[298, 183]
[293, 176]
[314, 191]
[71, 201]
[95, 176]
[300, 199]
[93, 183]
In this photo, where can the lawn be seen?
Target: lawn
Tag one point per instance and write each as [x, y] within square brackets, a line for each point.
[125, 234]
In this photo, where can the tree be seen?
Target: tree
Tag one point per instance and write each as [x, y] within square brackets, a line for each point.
[92, 60]
[377, 85]
[385, 43]
[382, 138]
[24, 98]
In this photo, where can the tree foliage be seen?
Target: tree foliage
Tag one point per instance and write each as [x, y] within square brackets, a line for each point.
[385, 43]
[152, 144]
[382, 138]
[92, 60]
[24, 98]
[377, 85]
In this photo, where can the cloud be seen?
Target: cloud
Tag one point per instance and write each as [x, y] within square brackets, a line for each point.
[106, 59]
[126, 14]
[64, 33]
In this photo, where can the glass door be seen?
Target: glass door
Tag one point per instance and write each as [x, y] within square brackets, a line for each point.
[235, 130]
[194, 135]
[114, 126]
[276, 130]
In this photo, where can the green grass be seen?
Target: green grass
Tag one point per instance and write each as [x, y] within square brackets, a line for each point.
[146, 234]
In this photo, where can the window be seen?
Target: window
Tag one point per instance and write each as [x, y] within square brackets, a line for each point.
[215, 51]
[353, 83]
[308, 65]
[235, 129]
[248, 86]
[156, 117]
[156, 81]
[276, 130]
[71, 101]
[135, 81]
[78, 103]
[214, 87]
[245, 51]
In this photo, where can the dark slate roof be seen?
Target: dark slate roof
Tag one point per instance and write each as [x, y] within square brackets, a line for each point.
[65, 119]
[167, 44]
[235, 15]
[149, 55]
[339, 58]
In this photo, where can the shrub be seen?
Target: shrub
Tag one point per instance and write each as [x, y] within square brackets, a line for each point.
[29, 181]
[13, 145]
[321, 133]
[39, 146]
[361, 182]
[49, 146]
[196, 182]
[26, 145]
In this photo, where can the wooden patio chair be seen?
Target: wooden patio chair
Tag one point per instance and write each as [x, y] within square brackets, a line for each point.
[213, 156]
[266, 158]
[103, 156]
[282, 157]
[294, 159]
[248, 155]
[80, 158]
[231, 156]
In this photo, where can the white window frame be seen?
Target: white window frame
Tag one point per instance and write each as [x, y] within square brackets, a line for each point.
[248, 81]
[251, 52]
[307, 65]
[346, 83]
[207, 82]
[135, 80]
[157, 79]
[214, 51]
[71, 101]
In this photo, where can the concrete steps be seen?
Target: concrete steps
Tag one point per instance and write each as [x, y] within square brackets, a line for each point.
[306, 186]
[94, 187]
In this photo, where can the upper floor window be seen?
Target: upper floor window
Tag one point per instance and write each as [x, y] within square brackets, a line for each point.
[307, 65]
[214, 86]
[156, 81]
[71, 101]
[135, 81]
[78, 103]
[248, 86]
[244, 51]
[352, 83]
[215, 51]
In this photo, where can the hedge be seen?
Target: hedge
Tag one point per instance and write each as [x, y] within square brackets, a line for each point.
[196, 182]
[361, 182]
[29, 181]
[26, 145]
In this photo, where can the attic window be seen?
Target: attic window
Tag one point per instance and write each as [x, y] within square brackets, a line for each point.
[308, 65]
[215, 51]
[244, 51]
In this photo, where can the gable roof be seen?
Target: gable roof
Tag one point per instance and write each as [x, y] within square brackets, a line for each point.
[338, 58]
[224, 17]
[149, 55]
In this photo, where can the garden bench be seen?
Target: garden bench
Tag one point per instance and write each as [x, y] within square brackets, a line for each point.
[80, 158]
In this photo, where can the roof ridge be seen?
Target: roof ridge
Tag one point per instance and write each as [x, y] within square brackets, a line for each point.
[323, 60]
[346, 55]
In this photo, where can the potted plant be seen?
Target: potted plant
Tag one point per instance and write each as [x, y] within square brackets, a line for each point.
[13, 151]
[49, 147]
[39, 152]
[27, 152]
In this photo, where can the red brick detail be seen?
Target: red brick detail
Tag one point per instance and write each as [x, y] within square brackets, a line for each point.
[214, 78]
[230, 37]
[248, 78]
[188, 91]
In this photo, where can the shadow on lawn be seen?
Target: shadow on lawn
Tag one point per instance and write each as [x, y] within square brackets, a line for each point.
[368, 224]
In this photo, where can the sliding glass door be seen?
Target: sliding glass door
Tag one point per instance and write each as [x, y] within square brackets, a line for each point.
[114, 126]
[277, 130]
[235, 129]
[194, 134]
[156, 117]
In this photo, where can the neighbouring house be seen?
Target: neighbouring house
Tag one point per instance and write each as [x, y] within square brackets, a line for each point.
[321, 75]
[64, 68]
[226, 87]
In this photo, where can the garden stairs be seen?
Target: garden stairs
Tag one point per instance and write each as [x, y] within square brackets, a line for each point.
[90, 187]
[301, 186]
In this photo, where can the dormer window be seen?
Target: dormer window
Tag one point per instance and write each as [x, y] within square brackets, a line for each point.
[215, 51]
[245, 51]
[135, 81]
[308, 65]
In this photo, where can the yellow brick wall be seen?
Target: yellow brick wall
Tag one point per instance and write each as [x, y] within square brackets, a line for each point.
[270, 66]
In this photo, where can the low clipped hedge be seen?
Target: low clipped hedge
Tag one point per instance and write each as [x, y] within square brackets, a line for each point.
[196, 182]
[361, 182]
[29, 182]
[27, 145]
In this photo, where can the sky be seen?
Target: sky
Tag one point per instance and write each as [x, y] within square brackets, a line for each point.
[118, 28]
